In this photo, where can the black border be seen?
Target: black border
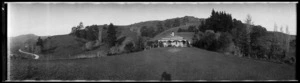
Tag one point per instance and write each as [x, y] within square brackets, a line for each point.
[4, 24]
[4, 41]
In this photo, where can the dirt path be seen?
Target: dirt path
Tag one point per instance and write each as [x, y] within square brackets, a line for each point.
[35, 55]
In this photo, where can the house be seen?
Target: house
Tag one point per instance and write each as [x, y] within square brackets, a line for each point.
[173, 40]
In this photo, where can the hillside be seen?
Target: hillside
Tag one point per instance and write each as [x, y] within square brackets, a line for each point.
[15, 43]
[167, 24]
[181, 63]
[187, 35]
[62, 46]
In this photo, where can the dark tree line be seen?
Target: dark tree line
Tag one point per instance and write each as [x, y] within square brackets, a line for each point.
[88, 32]
[218, 21]
[91, 33]
[219, 30]
[40, 42]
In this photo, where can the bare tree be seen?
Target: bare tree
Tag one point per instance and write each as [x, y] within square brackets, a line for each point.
[249, 23]
[275, 27]
[287, 30]
[281, 29]
[287, 43]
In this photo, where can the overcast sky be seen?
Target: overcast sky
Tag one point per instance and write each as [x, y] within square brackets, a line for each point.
[58, 18]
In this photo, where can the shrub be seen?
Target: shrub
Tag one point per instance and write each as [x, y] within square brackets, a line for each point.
[139, 44]
[224, 40]
[113, 51]
[290, 60]
[89, 45]
[208, 41]
[129, 47]
[213, 41]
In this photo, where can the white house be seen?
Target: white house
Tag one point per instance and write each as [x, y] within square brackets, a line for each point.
[174, 41]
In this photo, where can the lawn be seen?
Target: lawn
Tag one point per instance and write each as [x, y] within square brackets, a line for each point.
[181, 63]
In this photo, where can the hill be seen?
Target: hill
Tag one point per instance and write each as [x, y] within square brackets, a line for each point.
[181, 63]
[187, 35]
[15, 43]
[166, 24]
[62, 46]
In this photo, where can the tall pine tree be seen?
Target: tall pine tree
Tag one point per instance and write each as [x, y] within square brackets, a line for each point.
[111, 35]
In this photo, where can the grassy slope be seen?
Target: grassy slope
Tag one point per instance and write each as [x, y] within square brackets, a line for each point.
[187, 35]
[61, 46]
[187, 64]
[130, 36]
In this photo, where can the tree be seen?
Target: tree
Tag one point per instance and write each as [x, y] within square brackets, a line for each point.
[277, 48]
[275, 27]
[81, 34]
[239, 36]
[218, 21]
[39, 42]
[248, 22]
[224, 40]
[208, 41]
[139, 43]
[281, 29]
[202, 26]
[111, 35]
[257, 32]
[287, 40]
[213, 12]
[80, 25]
[287, 30]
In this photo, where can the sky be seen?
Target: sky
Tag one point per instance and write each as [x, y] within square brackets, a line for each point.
[55, 18]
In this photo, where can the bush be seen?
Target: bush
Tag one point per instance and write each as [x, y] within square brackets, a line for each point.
[139, 44]
[129, 47]
[290, 60]
[208, 41]
[113, 51]
[224, 41]
[213, 41]
[89, 45]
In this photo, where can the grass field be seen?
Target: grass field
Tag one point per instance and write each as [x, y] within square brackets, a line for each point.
[181, 63]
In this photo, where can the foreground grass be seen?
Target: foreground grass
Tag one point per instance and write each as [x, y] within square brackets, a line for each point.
[182, 64]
